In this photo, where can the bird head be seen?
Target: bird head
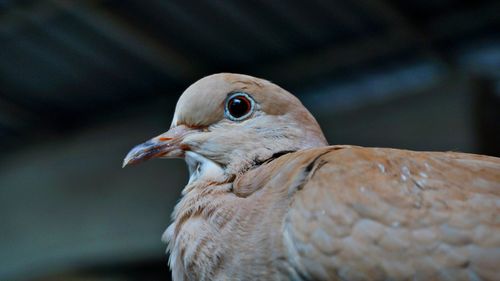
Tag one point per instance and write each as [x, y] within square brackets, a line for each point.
[227, 123]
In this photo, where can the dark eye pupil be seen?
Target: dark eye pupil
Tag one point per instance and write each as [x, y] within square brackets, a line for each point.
[238, 106]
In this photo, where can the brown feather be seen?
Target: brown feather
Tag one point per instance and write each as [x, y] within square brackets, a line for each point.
[376, 214]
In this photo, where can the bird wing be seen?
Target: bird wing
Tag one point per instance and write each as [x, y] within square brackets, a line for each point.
[388, 214]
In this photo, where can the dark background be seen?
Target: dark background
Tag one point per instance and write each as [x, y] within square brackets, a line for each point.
[81, 82]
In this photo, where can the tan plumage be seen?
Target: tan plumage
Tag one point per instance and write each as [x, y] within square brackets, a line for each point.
[269, 200]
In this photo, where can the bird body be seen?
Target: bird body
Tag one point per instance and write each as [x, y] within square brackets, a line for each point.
[268, 199]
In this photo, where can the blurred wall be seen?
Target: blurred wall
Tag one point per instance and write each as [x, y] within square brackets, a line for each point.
[67, 203]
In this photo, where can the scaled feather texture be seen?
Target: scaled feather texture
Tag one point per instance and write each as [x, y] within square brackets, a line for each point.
[268, 199]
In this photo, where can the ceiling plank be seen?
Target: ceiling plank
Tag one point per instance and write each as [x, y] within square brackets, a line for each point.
[128, 37]
[334, 57]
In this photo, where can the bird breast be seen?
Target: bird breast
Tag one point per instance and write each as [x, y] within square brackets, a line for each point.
[212, 224]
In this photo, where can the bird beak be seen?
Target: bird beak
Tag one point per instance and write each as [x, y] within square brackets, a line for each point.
[166, 145]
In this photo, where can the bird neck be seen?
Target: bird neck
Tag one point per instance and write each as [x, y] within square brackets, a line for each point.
[192, 251]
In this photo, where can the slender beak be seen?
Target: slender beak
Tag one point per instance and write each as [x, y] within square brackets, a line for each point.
[166, 145]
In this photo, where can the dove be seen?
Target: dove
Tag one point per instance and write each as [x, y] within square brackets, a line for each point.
[269, 199]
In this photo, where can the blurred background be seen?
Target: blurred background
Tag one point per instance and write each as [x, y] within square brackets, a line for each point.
[81, 82]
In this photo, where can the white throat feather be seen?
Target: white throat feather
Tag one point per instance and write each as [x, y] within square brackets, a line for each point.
[203, 169]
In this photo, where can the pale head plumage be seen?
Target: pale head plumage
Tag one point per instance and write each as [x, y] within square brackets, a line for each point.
[279, 121]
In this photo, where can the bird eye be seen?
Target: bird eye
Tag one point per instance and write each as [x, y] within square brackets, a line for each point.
[239, 106]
